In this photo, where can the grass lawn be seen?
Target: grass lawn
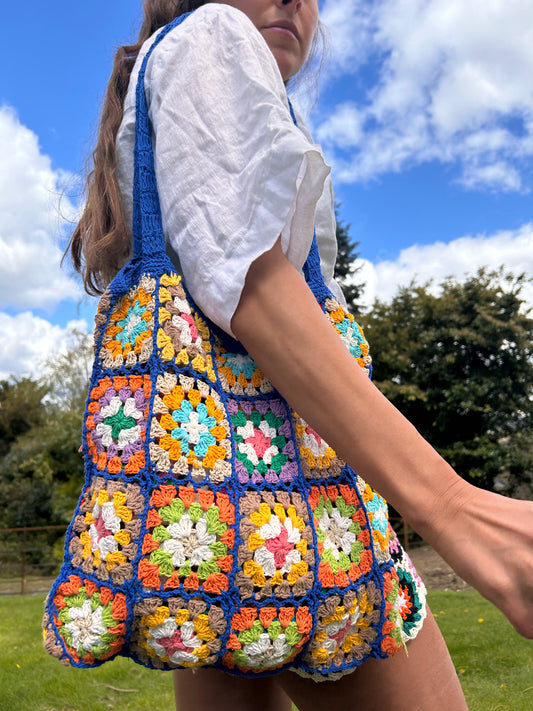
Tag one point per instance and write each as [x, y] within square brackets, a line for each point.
[495, 665]
[33, 681]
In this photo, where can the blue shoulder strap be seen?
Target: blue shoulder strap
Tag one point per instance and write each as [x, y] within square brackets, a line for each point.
[148, 238]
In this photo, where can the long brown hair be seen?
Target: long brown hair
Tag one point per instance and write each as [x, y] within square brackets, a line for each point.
[101, 241]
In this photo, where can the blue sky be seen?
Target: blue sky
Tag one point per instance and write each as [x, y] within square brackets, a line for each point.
[425, 113]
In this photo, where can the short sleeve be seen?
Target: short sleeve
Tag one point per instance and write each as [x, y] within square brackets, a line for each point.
[233, 171]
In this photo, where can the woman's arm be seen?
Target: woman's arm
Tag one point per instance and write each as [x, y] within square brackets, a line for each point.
[488, 539]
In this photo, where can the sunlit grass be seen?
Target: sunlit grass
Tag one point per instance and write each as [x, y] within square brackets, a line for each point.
[33, 681]
[494, 664]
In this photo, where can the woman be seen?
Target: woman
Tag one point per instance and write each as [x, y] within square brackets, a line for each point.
[240, 189]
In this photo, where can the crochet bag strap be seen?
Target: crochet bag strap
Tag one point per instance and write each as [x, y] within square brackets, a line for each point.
[147, 227]
[148, 237]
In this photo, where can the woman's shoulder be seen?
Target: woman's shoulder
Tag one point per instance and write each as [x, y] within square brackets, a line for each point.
[215, 44]
[214, 16]
[216, 27]
[215, 35]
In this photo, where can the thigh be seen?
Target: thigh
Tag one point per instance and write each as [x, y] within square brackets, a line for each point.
[424, 679]
[208, 689]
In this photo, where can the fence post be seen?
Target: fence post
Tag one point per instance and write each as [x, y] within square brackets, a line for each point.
[23, 562]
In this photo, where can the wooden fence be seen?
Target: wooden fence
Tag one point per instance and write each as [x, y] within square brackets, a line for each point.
[28, 565]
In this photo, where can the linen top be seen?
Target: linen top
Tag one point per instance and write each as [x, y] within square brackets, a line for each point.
[233, 171]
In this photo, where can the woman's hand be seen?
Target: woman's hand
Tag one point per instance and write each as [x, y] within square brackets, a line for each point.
[486, 538]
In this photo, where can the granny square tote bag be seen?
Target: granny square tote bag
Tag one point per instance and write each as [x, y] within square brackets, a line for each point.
[215, 527]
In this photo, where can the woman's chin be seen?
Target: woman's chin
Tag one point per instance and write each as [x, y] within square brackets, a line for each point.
[288, 63]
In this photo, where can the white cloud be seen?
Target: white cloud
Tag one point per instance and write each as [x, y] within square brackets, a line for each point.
[28, 341]
[32, 221]
[458, 258]
[344, 127]
[348, 26]
[498, 176]
[451, 81]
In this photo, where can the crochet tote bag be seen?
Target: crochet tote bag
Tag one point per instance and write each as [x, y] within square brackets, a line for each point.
[215, 527]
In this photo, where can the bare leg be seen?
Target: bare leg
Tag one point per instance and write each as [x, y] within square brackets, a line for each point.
[210, 689]
[423, 681]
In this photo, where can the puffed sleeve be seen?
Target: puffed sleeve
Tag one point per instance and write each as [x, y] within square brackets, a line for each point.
[233, 171]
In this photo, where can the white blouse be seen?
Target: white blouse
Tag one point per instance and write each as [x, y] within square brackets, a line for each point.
[233, 171]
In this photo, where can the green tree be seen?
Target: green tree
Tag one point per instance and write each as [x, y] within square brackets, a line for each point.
[20, 409]
[41, 470]
[68, 374]
[459, 366]
[346, 267]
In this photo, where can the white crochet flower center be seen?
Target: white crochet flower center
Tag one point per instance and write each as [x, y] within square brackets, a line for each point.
[189, 542]
[86, 627]
[338, 537]
[266, 652]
